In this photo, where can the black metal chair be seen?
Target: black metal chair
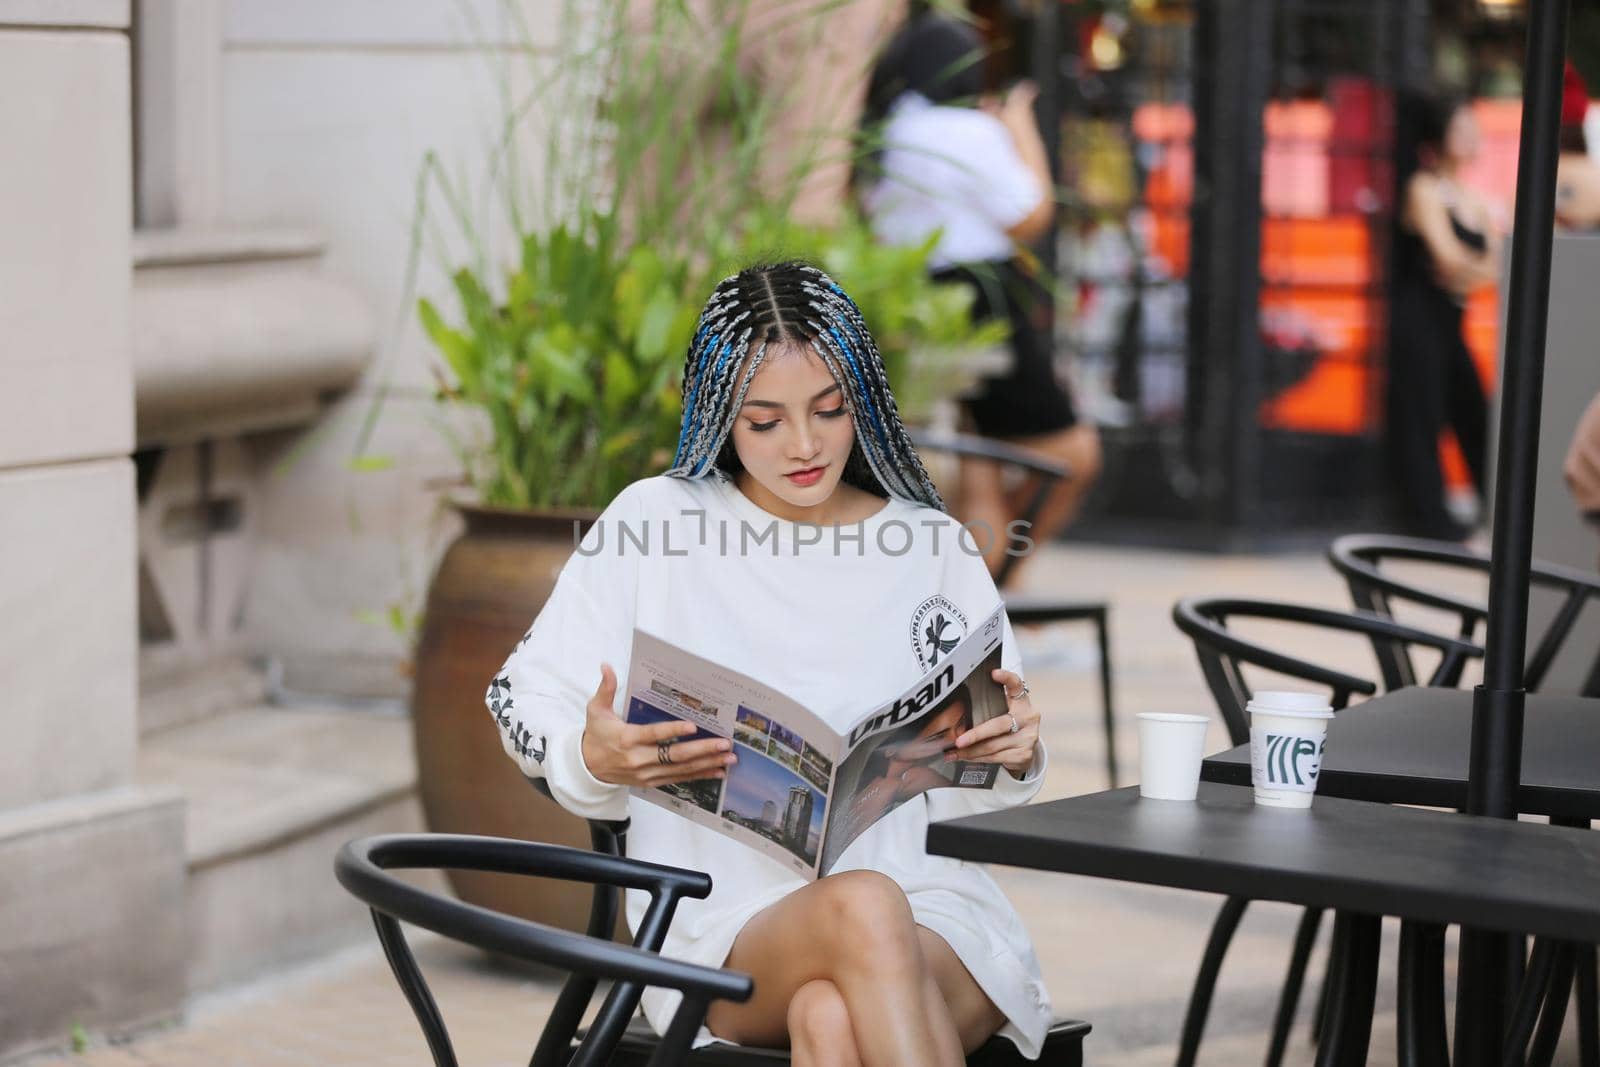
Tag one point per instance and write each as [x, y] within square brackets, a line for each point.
[363, 866]
[1036, 610]
[1063, 1044]
[1361, 560]
[1223, 654]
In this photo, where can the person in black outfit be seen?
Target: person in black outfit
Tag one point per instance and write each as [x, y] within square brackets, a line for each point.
[944, 157]
[1443, 250]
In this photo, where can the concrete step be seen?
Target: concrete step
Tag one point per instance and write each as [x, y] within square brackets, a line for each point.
[174, 691]
[272, 793]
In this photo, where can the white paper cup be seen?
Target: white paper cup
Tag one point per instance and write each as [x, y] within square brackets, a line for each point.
[1287, 733]
[1170, 749]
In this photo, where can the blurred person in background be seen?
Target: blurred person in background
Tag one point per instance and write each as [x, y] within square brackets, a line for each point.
[1443, 249]
[943, 157]
[1577, 173]
[1582, 465]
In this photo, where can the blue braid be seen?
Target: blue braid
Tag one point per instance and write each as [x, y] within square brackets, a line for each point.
[866, 399]
[689, 411]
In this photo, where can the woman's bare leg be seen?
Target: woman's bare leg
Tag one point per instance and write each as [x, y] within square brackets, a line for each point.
[820, 1033]
[855, 932]
[1078, 447]
[982, 506]
[970, 1008]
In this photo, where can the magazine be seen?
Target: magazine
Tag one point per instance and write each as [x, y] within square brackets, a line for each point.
[800, 791]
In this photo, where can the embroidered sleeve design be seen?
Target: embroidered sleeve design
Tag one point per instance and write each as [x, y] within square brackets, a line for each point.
[500, 704]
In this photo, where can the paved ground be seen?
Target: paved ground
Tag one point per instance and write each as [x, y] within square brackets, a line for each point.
[1120, 956]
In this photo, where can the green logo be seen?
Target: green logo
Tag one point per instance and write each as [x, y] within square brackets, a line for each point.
[1293, 760]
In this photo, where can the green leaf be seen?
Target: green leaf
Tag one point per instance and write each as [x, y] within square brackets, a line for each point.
[655, 325]
[457, 350]
[621, 383]
[560, 372]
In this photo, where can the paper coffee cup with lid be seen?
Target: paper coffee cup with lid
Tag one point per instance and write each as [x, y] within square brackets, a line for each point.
[1287, 733]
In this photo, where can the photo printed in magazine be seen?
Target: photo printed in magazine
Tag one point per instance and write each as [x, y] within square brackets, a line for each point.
[800, 793]
[906, 748]
[775, 798]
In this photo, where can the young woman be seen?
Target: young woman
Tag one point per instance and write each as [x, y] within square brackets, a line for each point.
[1444, 248]
[980, 175]
[796, 538]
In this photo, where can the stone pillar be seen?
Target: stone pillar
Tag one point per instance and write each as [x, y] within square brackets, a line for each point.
[91, 865]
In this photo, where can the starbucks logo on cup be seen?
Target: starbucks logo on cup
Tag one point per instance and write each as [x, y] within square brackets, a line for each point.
[1287, 761]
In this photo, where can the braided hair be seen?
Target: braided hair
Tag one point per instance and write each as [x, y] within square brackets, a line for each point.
[775, 304]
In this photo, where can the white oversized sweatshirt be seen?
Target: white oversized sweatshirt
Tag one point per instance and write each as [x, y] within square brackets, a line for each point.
[838, 618]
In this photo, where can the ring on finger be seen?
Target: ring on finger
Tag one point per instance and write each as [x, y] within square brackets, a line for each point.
[1014, 726]
[663, 752]
[1019, 694]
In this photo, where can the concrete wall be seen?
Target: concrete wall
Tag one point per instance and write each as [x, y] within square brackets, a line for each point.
[90, 866]
[326, 113]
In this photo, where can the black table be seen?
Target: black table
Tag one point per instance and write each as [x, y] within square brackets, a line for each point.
[1364, 860]
[1411, 747]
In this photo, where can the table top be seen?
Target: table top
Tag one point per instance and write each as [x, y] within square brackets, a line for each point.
[1345, 854]
[1412, 747]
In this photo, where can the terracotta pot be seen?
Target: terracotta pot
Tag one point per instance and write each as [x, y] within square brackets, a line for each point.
[491, 583]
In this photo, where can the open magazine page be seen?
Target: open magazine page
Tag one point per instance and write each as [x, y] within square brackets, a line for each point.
[899, 750]
[775, 799]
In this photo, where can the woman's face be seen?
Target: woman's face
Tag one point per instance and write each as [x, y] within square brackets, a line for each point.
[793, 422]
[938, 735]
[1461, 137]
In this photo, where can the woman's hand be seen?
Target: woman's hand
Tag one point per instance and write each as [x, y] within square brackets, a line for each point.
[625, 753]
[1018, 106]
[993, 741]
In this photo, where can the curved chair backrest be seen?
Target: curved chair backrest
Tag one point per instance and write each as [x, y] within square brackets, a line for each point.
[1222, 652]
[974, 447]
[363, 867]
[1360, 559]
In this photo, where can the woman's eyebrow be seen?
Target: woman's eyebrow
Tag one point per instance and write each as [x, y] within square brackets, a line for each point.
[834, 388]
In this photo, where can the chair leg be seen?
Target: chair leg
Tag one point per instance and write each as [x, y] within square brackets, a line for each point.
[1421, 1023]
[1305, 936]
[1205, 982]
[1587, 1008]
[1532, 993]
[1106, 708]
[1353, 986]
[1554, 1013]
[1319, 1013]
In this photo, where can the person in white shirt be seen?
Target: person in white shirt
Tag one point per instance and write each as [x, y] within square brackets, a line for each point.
[857, 583]
[979, 176]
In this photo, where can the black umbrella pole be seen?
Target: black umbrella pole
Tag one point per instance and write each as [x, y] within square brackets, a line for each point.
[1496, 761]
[1497, 708]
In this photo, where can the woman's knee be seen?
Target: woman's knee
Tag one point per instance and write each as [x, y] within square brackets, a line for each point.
[1079, 448]
[869, 915]
[818, 1017]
